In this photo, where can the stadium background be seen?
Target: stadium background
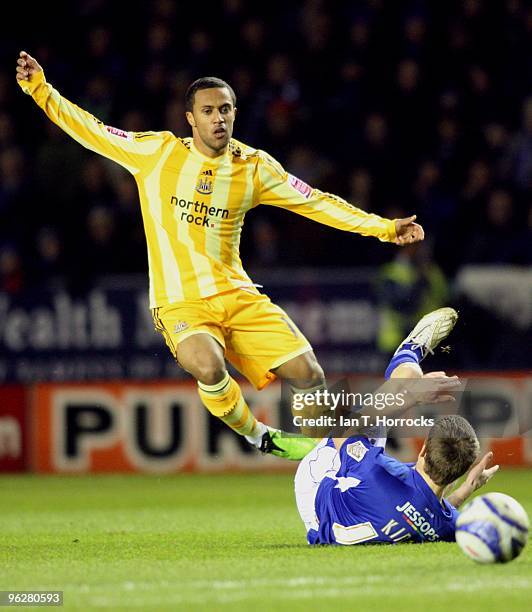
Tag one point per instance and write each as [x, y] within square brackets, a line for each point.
[400, 107]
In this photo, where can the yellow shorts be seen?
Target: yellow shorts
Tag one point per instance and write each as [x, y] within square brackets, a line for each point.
[257, 335]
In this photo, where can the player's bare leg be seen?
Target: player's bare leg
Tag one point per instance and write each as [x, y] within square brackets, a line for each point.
[303, 371]
[305, 376]
[203, 357]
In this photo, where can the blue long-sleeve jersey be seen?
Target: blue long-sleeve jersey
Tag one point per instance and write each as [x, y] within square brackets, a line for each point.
[374, 497]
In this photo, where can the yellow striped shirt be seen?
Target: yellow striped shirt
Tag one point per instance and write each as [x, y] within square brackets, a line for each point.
[193, 207]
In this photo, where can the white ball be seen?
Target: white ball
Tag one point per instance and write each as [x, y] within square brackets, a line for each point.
[492, 528]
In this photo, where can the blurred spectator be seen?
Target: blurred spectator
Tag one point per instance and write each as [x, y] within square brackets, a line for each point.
[493, 239]
[408, 108]
[6, 91]
[50, 159]
[307, 165]
[200, 52]
[437, 209]
[360, 185]
[475, 193]
[449, 149]
[175, 119]
[98, 97]
[97, 250]
[48, 260]
[433, 200]
[481, 101]
[164, 10]
[376, 150]
[253, 36]
[414, 31]
[7, 132]
[358, 40]
[15, 197]
[158, 43]
[276, 102]
[518, 162]
[134, 121]
[265, 238]
[95, 187]
[408, 287]
[520, 248]
[12, 278]
[100, 58]
[243, 81]
[316, 29]
[495, 140]
[154, 89]
[129, 225]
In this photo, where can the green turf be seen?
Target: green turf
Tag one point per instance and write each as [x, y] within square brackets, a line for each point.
[227, 543]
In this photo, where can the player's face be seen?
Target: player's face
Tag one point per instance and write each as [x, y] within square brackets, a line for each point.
[212, 118]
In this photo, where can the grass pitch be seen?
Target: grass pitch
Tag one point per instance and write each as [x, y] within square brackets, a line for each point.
[227, 543]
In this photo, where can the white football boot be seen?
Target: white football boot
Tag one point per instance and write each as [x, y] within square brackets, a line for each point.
[431, 330]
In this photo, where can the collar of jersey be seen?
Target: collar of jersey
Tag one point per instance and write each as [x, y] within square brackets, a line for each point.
[215, 161]
[429, 494]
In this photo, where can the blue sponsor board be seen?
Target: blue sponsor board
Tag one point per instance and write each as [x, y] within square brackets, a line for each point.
[108, 334]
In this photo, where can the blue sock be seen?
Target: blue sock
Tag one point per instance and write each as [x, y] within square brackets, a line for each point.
[407, 353]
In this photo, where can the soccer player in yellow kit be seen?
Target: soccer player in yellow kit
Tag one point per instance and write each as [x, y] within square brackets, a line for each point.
[194, 194]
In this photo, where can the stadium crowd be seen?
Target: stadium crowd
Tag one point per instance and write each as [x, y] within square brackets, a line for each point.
[399, 107]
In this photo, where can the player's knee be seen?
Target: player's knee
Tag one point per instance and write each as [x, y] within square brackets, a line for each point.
[308, 372]
[209, 373]
[315, 375]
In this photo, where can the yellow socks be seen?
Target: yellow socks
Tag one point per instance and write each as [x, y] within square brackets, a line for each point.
[225, 401]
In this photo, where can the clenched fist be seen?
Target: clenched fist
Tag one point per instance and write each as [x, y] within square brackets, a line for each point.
[27, 66]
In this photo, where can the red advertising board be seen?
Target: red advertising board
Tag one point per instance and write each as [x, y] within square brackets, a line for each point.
[162, 427]
[145, 427]
[13, 435]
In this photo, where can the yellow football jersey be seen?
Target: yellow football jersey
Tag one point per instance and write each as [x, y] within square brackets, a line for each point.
[193, 207]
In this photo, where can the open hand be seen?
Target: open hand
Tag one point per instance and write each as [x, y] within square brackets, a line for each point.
[480, 474]
[27, 66]
[407, 231]
[432, 388]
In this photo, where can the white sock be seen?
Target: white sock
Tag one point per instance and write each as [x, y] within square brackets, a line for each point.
[260, 430]
[379, 442]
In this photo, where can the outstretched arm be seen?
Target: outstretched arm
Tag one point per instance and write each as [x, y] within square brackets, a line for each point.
[402, 394]
[478, 476]
[133, 151]
[278, 188]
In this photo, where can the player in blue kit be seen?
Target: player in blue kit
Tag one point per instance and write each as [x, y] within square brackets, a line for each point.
[348, 491]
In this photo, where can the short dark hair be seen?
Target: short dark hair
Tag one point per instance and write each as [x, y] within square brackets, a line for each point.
[452, 447]
[206, 83]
